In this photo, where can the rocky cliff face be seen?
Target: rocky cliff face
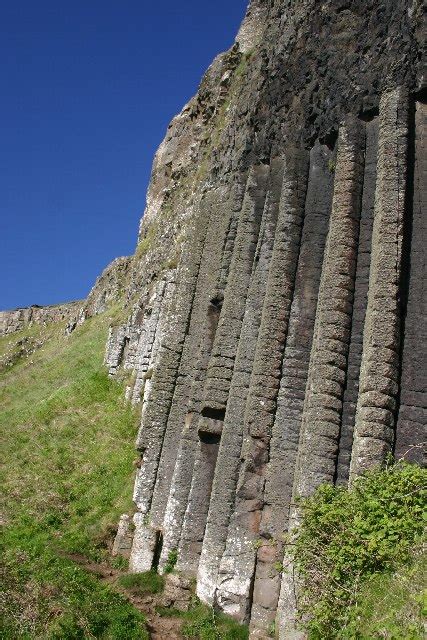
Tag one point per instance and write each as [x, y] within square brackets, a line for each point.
[277, 320]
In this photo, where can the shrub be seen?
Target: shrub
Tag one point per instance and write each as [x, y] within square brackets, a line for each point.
[348, 538]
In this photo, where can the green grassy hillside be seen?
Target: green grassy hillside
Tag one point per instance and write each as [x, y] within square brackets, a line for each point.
[67, 453]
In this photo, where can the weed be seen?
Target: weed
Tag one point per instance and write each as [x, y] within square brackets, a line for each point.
[171, 561]
[203, 623]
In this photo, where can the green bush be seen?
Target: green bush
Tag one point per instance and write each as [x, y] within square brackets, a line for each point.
[349, 539]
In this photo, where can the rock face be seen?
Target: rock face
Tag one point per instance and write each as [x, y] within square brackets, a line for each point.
[279, 344]
[277, 322]
[17, 319]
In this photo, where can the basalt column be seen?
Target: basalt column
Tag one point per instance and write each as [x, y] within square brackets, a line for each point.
[328, 362]
[379, 374]
[225, 204]
[320, 428]
[360, 302]
[302, 312]
[234, 592]
[198, 504]
[156, 412]
[412, 421]
[226, 471]
[262, 400]
[149, 339]
[198, 341]
[221, 363]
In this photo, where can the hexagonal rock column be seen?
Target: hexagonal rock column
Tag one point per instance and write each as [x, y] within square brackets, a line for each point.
[237, 565]
[320, 429]
[156, 411]
[221, 362]
[379, 374]
[279, 471]
[412, 420]
[209, 428]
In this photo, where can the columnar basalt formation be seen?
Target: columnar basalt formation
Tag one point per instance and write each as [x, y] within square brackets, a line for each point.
[379, 372]
[273, 321]
[279, 344]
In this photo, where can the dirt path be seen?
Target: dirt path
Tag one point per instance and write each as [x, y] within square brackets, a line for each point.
[160, 628]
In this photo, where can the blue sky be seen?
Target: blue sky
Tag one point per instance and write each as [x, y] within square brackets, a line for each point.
[88, 88]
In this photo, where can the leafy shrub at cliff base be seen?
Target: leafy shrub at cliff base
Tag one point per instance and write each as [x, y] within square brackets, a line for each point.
[67, 464]
[359, 554]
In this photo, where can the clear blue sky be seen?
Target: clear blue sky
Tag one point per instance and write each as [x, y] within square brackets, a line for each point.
[88, 88]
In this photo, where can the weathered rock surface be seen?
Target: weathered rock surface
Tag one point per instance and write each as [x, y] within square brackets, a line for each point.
[276, 316]
[17, 319]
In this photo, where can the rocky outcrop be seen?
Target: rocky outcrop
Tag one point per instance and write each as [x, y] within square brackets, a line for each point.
[275, 306]
[275, 348]
[109, 288]
[17, 319]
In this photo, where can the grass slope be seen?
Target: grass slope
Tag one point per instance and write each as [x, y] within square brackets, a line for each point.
[67, 451]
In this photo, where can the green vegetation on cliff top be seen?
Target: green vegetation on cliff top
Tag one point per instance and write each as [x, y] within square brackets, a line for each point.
[67, 452]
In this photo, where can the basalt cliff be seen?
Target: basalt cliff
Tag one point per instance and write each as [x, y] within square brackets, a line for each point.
[275, 333]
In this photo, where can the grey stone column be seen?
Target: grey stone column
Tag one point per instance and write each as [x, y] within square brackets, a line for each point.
[224, 348]
[224, 204]
[359, 306]
[197, 341]
[379, 374]
[198, 504]
[320, 428]
[412, 420]
[265, 380]
[156, 411]
[306, 282]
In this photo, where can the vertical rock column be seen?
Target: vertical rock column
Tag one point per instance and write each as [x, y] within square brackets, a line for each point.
[412, 420]
[198, 339]
[198, 504]
[151, 330]
[290, 402]
[320, 431]
[227, 467]
[156, 411]
[264, 387]
[359, 306]
[379, 374]
[320, 428]
[317, 209]
[221, 363]
[237, 567]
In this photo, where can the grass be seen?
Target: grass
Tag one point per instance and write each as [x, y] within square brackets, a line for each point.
[148, 582]
[394, 605]
[204, 623]
[67, 452]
